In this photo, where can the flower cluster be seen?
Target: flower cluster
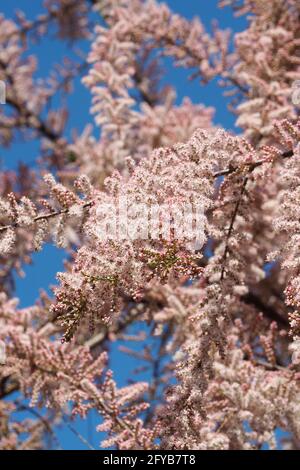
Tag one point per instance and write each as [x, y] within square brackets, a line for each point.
[267, 73]
[215, 309]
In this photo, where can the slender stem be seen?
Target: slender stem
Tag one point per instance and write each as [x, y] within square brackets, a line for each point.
[50, 215]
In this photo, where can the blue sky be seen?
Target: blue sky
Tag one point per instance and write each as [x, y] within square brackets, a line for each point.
[45, 264]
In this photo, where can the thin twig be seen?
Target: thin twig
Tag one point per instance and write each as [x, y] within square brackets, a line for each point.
[50, 215]
[269, 366]
[34, 412]
[251, 166]
[78, 435]
[233, 217]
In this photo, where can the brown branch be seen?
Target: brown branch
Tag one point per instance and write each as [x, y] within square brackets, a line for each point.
[251, 166]
[230, 170]
[10, 385]
[267, 310]
[50, 215]
[23, 110]
[78, 435]
[34, 412]
[268, 366]
[31, 25]
[233, 217]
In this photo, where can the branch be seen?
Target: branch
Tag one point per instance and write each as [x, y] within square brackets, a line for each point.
[77, 434]
[233, 217]
[251, 166]
[50, 215]
[268, 366]
[267, 310]
[23, 407]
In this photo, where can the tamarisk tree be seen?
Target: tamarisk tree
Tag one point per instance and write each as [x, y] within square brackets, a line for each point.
[217, 307]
